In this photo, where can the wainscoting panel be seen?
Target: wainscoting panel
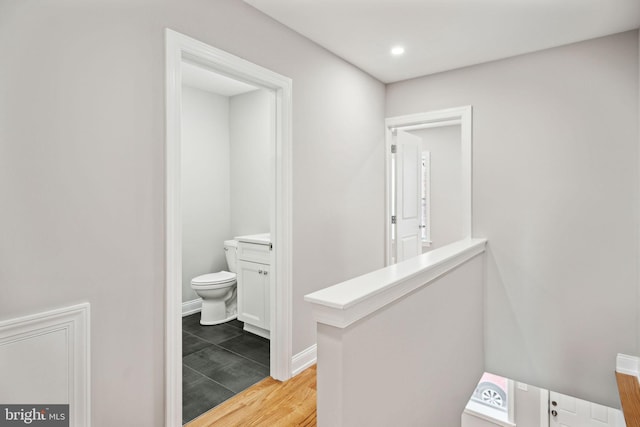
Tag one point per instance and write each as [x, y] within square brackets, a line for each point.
[44, 359]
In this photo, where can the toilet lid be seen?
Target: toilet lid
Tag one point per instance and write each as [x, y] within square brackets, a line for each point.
[214, 278]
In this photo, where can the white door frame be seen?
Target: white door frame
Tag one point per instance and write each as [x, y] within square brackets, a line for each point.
[451, 116]
[178, 48]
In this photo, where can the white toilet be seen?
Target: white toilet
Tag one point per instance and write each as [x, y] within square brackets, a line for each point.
[218, 290]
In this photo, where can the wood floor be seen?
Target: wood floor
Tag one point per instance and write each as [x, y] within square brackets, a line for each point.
[268, 403]
[629, 389]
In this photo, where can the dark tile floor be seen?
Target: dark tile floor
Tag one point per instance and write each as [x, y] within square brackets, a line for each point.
[218, 362]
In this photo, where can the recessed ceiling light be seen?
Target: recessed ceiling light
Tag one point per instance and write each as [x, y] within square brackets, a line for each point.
[397, 50]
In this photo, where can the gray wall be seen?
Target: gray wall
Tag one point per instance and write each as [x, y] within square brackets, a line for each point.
[555, 190]
[82, 172]
[446, 183]
[205, 180]
[250, 127]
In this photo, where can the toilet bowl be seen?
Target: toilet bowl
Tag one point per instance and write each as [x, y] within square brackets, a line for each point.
[218, 291]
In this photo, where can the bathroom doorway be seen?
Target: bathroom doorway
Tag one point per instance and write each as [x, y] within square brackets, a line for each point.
[227, 184]
[227, 132]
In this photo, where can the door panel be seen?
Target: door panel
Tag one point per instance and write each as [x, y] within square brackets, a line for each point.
[408, 194]
[407, 247]
[573, 412]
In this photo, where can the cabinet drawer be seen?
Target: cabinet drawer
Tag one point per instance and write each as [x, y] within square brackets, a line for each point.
[254, 252]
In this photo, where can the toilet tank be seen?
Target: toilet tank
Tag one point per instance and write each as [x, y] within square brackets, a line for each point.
[230, 247]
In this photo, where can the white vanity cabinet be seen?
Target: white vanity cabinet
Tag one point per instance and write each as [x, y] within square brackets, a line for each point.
[254, 278]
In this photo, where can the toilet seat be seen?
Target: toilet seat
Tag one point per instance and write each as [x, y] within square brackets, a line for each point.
[220, 279]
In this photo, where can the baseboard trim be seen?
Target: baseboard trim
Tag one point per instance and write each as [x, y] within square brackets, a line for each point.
[256, 330]
[190, 307]
[304, 359]
[628, 365]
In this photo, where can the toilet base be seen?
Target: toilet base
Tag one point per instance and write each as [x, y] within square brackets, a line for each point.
[218, 309]
[217, 322]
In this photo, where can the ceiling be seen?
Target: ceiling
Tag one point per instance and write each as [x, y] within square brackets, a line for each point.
[441, 35]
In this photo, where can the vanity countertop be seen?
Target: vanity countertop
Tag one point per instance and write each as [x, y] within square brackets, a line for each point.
[261, 239]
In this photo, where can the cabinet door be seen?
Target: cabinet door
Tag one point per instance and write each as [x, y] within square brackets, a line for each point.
[252, 293]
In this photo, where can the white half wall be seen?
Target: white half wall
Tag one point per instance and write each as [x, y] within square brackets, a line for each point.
[206, 185]
[470, 420]
[414, 362]
[555, 188]
[530, 403]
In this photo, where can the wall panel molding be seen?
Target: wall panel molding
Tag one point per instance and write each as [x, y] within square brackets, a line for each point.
[45, 359]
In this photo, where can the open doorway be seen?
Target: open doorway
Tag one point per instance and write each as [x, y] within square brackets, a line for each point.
[428, 181]
[228, 134]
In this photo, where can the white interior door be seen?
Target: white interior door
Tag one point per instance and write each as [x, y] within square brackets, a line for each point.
[567, 411]
[408, 192]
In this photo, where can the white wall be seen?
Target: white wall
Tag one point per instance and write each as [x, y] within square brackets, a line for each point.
[206, 217]
[251, 134]
[414, 362]
[555, 190]
[470, 420]
[82, 172]
[445, 147]
[225, 175]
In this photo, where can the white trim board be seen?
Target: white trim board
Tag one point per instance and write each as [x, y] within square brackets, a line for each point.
[487, 418]
[629, 365]
[347, 302]
[67, 332]
[190, 307]
[304, 359]
[179, 48]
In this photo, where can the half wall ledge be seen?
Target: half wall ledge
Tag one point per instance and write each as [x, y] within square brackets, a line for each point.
[347, 302]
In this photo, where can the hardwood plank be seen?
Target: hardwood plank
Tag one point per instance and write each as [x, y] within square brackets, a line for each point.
[268, 403]
[629, 389]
